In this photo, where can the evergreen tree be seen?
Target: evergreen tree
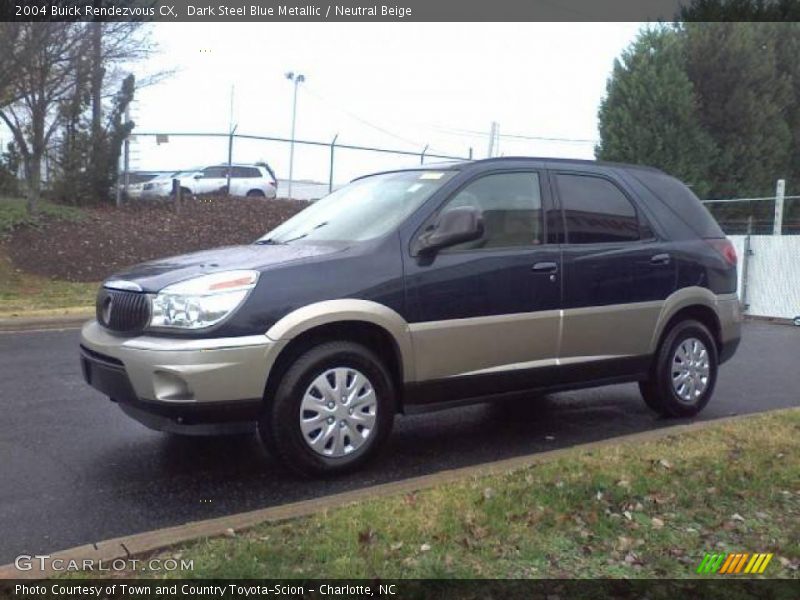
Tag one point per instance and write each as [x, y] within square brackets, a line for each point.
[9, 171]
[740, 10]
[649, 115]
[743, 101]
[787, 38]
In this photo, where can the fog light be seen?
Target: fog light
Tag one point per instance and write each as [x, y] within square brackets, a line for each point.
[169, 386]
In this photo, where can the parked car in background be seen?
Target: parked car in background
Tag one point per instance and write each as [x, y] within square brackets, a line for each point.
[422, 288]
[161, 186]
[136, 183]
[252, 181]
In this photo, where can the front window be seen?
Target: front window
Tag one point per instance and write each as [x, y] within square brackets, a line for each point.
[363, 210]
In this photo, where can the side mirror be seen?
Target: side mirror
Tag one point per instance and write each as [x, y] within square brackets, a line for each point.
[198, 176]
[454, 226]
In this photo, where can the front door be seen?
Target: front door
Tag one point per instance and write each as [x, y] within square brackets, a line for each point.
[489, 307]
[212, 179]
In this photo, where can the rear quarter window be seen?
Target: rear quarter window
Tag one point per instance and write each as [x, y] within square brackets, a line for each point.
[682, 201]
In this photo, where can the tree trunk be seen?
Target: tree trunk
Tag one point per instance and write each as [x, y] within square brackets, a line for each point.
[33, 175]
[98, 159]
[97, 79]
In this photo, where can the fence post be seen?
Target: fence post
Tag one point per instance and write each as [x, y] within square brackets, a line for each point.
[330, 171]
[470, 152]
[177, 193]
[126, 155]
[422, 156]
[780, 192]
[118, 195]
[230, 159]
[748, 252]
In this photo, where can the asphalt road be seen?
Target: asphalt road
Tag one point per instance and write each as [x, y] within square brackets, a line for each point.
[75, 470]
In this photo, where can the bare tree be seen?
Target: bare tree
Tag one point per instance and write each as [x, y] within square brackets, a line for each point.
[51, 73]
[34, 90]
[14, 53]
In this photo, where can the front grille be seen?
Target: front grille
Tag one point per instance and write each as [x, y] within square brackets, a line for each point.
[126, 312]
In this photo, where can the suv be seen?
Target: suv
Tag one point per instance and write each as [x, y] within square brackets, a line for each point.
[415, 289]
[252, 181]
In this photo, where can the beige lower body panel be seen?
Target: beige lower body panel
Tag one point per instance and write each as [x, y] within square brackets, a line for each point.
[459, 346]
[609, 331]
[481, 345]
[729, 310]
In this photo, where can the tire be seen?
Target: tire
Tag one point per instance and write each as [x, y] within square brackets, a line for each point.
[256, 194]
[688, 343]
[305, 387]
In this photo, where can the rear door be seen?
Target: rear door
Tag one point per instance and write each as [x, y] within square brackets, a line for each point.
[616, 274]
[483, 310]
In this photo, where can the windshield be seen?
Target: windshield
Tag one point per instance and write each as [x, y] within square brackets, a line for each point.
[365, 209]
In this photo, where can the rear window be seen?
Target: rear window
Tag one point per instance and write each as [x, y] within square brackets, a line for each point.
[682, 201]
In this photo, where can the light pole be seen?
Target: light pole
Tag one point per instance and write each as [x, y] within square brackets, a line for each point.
[297, 78]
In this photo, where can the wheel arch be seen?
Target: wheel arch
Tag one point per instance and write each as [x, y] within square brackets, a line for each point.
[695, 303]
[374, 325]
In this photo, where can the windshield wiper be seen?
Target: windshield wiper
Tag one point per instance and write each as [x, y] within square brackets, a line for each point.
[301, 236]
[268, 242]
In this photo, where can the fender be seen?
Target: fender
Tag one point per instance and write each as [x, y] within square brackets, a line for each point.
[348, 309]
[689, 296]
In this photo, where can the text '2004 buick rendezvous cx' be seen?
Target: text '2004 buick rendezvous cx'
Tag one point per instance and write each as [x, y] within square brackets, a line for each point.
[422, 288]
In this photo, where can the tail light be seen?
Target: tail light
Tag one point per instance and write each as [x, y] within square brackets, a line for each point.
[725, 248]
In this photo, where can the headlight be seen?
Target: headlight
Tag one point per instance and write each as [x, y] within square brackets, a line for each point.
[202, 301]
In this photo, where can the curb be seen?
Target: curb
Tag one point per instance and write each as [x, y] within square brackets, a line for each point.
[152, 541]
[20, 324]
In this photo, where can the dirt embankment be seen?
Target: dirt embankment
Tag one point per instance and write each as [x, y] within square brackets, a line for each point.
[108, 238]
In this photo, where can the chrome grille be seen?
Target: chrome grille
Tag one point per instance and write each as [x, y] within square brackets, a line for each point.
[122, 311]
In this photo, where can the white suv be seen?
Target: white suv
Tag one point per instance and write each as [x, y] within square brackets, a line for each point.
[253, 181]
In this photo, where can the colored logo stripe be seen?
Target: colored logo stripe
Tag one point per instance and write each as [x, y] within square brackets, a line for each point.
[734, 563]
[710, 563]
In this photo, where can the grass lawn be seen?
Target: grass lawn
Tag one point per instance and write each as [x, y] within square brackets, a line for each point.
[644, 510]
[14, 213]
[31, 295]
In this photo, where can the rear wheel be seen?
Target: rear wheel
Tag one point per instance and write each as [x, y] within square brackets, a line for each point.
[684, 373]
[332, 410]
[256, 194]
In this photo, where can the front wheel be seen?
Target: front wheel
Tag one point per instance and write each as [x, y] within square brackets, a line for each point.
[332, 410]
[684, 373]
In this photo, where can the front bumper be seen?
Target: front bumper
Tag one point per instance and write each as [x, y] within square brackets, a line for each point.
[179, 381]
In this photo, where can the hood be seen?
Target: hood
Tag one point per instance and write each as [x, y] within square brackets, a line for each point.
[154, 275]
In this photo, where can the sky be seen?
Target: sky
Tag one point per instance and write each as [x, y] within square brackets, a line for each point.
[392, 85]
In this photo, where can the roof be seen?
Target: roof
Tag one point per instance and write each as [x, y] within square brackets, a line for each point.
[456, 165]
[258, 164]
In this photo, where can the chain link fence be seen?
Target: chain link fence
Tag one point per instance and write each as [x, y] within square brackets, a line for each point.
[779, 214]
[319, 166]
[766, 234]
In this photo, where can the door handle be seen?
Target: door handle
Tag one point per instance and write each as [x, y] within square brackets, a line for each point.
[660, 259]
[545, 267]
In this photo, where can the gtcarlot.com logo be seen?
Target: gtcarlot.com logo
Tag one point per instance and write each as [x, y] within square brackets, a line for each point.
[45, 562]
[734, 564]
